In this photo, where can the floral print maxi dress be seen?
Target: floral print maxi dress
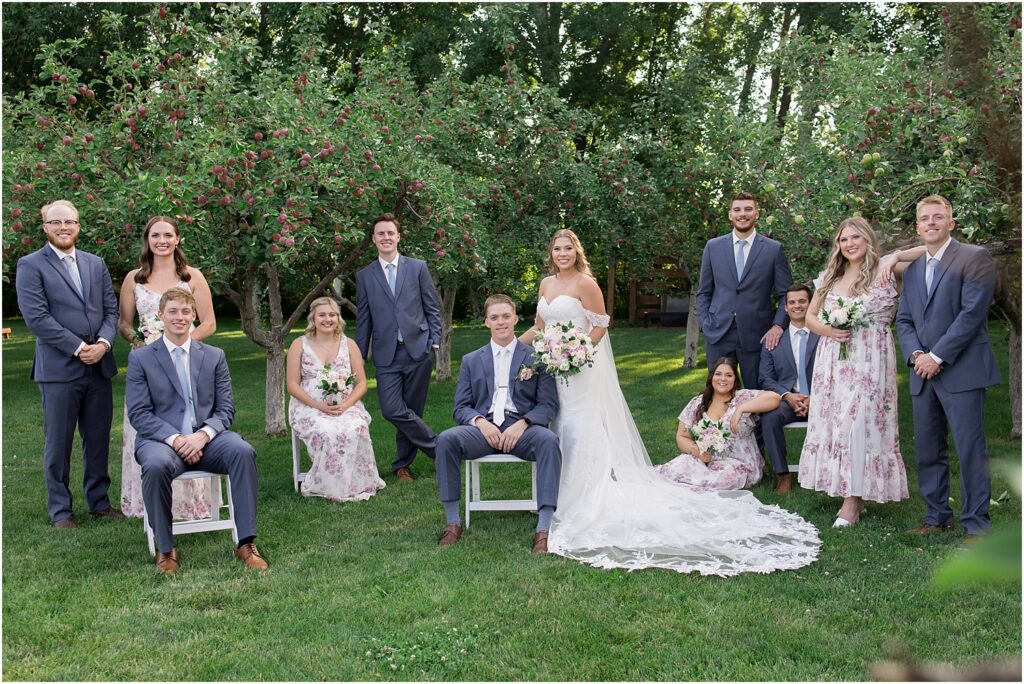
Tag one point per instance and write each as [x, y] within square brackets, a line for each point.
[740, 465]
[344, 467]
[853, 444]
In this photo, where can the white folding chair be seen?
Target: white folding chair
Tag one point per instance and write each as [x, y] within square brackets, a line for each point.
[211, 524]
[798, 425]
[475, 503]
[298, 475]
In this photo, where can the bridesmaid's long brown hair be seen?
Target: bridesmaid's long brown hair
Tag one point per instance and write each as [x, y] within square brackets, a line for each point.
[146, 256]
[709, 391]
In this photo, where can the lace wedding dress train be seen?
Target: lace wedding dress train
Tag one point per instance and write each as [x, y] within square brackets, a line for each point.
[616, 511]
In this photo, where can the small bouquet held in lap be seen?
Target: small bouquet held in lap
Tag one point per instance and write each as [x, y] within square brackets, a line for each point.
[150, 328]
[847, 314]
[334, 382]
[564, 350]
[711, 437]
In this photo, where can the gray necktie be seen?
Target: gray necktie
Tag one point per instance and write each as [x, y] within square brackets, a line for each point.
[740, 258]
[72, 269]
[390, 269]
[501, 382]
[802, 370]
[188, 421]
[929, 273]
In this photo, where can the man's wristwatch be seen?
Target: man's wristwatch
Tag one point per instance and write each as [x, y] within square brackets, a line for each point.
[913, 357]
[527, 421]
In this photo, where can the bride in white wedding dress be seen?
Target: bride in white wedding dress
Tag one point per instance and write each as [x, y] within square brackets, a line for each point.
[614, 510]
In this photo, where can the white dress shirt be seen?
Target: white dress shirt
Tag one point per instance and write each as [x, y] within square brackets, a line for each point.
[74, 256]
[938, 257]
[186, 347]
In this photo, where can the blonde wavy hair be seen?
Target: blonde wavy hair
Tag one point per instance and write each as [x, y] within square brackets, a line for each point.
[837, 263]
[324, 301]
[581, 265]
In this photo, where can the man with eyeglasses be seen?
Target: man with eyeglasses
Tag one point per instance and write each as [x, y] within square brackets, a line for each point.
[67, 300]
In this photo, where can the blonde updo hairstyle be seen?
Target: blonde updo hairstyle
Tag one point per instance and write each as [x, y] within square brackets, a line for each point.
[581, 265]
[329, 302]
[837, 263]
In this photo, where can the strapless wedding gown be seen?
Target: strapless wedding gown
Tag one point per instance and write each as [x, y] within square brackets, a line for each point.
[615, 511]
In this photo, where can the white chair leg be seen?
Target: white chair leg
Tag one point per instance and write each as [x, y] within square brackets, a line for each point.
[469, 488]
[150, 541]
[296, 460]
[215, 497]
[231, 510]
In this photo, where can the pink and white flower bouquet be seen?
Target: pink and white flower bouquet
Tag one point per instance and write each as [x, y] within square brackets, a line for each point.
[847, 314]
[564, 350]
[334, 382]
[150, 328]
[711, 437]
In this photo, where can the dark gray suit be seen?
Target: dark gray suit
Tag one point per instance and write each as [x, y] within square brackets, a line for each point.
[952, 323]
[74, 393]
[156, 406]
[779, 374]
[536, 400]
[735, 314]
[403, 368]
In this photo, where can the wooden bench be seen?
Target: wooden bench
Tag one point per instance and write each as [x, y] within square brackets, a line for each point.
[7, 333]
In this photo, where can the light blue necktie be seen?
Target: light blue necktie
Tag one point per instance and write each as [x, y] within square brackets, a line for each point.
[802, 370]
[390, 270]
[72, 269]
[189, 419]
[740, 258]
[929, 273]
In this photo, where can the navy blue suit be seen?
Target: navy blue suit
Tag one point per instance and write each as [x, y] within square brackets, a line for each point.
[735, 314]
[403, 368]
[535, 399]
[779, 374]
[73, 392]
[952, 323]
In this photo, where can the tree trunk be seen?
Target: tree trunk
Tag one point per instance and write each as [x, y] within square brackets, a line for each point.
[776, 76]
[692, 339]
[443, 368]
[274, 392]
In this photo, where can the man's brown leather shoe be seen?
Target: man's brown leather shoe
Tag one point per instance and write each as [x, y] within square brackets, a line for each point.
[111, 513]
[540, 542]
[404, 475]
[167, 563]
[65, 524]
[451, 534]
[928, 528]
[784, 484]
[248, 554]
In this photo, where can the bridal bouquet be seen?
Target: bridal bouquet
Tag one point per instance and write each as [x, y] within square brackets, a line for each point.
[150, 328]
[564, 350]
[333, 382]
[711, 437]
[845, 315]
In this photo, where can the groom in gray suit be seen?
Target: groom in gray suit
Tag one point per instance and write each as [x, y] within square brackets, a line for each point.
[943, 329]
[397, 316]
[738, 273]
[67, 300]
[502, 404]
[178, 394]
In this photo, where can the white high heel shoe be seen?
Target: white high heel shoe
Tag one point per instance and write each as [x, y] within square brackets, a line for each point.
[843, 522]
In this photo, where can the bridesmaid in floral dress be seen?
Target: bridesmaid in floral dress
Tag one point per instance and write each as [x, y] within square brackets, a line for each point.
[326, 381]
[852, 447]
[163, 266]
[739, 464]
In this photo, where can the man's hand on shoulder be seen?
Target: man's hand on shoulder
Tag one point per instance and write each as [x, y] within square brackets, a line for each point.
[772, 337]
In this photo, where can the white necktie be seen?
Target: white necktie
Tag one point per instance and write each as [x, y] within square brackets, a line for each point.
[929, 273]
[740, 258]
[188, 421]
[72, 269]
[501, 383]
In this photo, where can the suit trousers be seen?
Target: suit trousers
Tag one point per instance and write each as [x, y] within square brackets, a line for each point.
[772, 427]
[226, 453]
[466, 443]
[964, 413]
[402, 391]
[86, 402]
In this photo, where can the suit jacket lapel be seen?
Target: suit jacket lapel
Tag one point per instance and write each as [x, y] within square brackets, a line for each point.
[728, 256]
[755, 249]
[196, 356]
[786, 344]
[84, 269]
[163, 357]
[487, 361]
[941, 268]
[377, 273]
[518, 357]
[58, 265]
[403, 268]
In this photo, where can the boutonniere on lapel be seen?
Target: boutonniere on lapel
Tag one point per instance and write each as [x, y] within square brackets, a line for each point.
[525, 373]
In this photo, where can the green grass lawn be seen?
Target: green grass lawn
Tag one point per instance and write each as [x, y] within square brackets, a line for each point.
[360, 591]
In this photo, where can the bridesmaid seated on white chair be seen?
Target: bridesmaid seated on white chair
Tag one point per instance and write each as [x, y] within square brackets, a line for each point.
[326, 381]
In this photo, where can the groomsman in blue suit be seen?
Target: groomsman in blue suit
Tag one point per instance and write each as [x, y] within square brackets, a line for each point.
[502, 404]
[943, 329]
[738, 274]
[398, 317]
[67, 300]
[787, 370]
[179, 400]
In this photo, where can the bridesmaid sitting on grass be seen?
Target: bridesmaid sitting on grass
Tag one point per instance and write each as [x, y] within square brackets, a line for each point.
[326, 381]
